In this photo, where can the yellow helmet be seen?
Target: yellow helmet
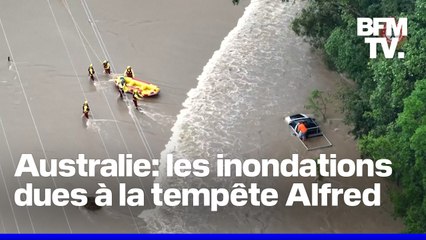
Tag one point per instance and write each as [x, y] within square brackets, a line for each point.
[91, 65]
[85, 102]
[128, 67]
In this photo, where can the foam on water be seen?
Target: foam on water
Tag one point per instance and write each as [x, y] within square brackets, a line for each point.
[238, 92]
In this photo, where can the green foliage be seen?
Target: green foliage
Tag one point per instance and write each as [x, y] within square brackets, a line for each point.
[405, 144]
[348, 52]
[387, 108]
[318, 21]
[317, 102]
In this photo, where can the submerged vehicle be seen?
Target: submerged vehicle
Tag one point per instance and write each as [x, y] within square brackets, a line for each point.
[132, 84]
[313, 129]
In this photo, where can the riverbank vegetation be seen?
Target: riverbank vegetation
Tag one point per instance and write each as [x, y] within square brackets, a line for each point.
[388, 107]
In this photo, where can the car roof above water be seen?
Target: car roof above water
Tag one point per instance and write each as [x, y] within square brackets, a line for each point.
[295, 119]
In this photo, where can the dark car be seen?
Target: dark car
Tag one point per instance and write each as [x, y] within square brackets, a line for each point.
[310, 123]
[313, 131]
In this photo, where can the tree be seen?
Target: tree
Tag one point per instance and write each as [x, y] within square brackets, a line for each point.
[387, 108]
[405, 145]
[317, 102]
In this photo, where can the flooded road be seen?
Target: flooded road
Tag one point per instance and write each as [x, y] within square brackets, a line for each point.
[234, 101]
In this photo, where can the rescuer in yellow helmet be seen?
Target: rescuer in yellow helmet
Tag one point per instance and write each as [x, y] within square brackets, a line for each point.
[129, 72]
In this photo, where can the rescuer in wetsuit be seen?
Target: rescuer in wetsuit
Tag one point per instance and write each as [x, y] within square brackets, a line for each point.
[91, 71]
[107, 67]
[86, 109]
[129, 72]
[136, 96]
[120, 86]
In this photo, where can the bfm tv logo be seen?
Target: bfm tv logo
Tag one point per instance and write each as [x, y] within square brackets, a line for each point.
[388, 32]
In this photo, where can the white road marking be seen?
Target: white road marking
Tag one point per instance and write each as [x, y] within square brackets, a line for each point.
[31, 114]
[14, 166]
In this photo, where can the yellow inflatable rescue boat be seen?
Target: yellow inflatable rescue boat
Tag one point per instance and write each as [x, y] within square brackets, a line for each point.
[132, 84]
